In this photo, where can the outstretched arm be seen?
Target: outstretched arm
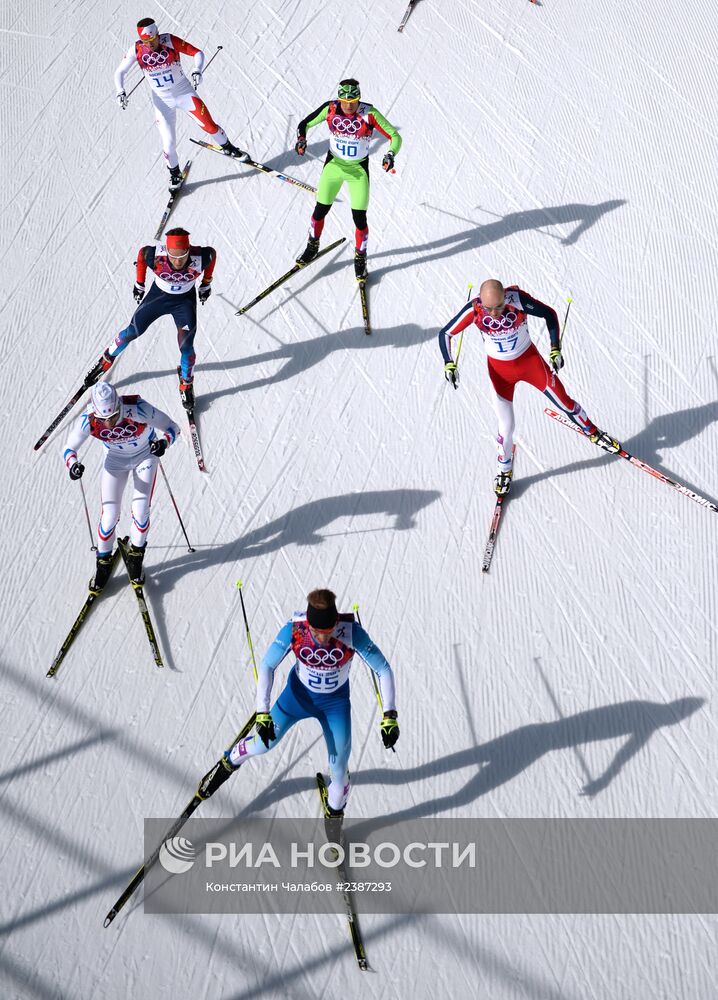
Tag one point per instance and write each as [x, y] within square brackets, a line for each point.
[122, 70]
[270, 661]
[375, 659]
[533, 307]
[377, 119]
[315, 118]
[463, 318]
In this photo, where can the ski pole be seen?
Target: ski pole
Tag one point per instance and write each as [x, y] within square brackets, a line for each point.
[179, 516]
[377, 692]
[207, 65]
[461, 341]
[565, 321]
[93, 547]
[246, 626]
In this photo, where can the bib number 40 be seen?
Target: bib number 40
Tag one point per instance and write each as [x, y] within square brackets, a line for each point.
[348, 149]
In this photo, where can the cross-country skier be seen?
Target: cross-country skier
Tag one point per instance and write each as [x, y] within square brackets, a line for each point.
[135, 435]
[176, 267]
[501, 315]
[158, 56]
[351, 124]
[323, 643]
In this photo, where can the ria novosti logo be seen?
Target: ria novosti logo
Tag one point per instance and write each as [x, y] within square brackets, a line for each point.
[177, 855]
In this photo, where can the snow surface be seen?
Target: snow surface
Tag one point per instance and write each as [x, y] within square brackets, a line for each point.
[570, 147]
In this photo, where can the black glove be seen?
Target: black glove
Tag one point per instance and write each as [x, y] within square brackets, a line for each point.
[122, 100]
[204, 293]
[388, 162]
[158, 446]
[300, 147]
[389, 729]
[76, 470]
[138, 291]
[265, 728]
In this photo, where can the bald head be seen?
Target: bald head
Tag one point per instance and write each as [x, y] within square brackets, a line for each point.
[491, 294]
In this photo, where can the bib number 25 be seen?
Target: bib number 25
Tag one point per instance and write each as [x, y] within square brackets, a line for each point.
[318, 682]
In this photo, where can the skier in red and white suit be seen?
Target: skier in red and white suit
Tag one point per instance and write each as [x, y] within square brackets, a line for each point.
[158, 56]
[501, 316]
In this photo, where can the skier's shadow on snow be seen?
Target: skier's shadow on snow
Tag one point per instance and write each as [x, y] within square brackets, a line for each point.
[504, 758]
[301, 526]
[297, 357]
[670, 430]
[585, 216]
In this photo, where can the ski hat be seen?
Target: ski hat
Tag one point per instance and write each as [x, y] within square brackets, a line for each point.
[105, 401]
[349, 90]
[147, 29]
[177, 241]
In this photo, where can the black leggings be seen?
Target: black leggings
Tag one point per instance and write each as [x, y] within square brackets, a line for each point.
[359, 215]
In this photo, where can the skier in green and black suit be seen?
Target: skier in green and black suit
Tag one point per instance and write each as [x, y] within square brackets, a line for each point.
[351, 125]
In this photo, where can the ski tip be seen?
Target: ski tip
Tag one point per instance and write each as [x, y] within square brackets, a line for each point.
[109, 918]
[238, 584]
[355, 606]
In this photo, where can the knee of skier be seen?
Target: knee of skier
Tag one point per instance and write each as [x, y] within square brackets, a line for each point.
[359, 216]
[320, 211]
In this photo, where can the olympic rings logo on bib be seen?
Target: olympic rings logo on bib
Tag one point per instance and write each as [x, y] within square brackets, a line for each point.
[506, 322]
[321, 657]
[155, 58]
[177, 276]
[347, 125]
[119, 432]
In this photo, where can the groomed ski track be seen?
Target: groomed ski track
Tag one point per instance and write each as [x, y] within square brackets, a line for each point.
[570, 148]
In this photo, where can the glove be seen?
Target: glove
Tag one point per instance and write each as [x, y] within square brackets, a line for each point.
[196, 79]
[451, 373]
[556, 358]
[388, 162]
[76, 470]
[138, 291]
[122, 100]
[158, 446]
[265, 728]
[204, 293]
[300, 147]
[389, 729]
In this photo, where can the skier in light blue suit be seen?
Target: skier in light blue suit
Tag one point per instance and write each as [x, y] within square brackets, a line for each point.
[323, 642]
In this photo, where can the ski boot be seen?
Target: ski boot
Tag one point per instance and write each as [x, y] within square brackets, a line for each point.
[175, 178]
[605, 441]
[135, 557]
[310, 251]
[97, 371]
[333, 818]
[215, 778]
[186, 390]
[229, 149]
[360, 266]
[103, 571]
[502, 482]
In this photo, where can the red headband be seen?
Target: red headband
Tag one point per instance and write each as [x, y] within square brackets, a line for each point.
[178, 242]
[148, 30]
